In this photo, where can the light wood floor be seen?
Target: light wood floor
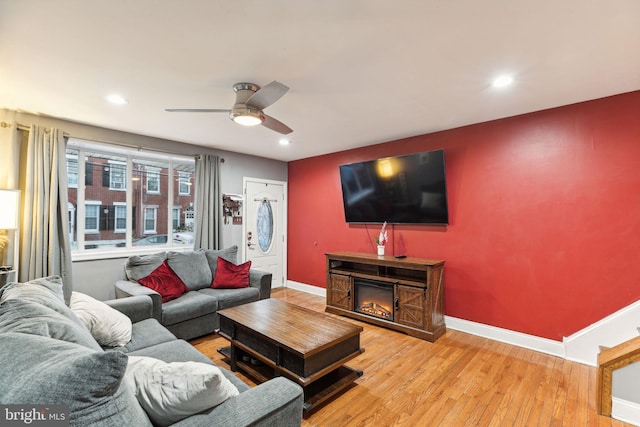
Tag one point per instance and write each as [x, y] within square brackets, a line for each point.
[460, 380]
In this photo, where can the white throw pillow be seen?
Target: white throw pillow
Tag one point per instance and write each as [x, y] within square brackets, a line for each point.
[170, 392]
[107, 325]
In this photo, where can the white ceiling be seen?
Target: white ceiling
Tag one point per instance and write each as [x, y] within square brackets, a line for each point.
[360, 72]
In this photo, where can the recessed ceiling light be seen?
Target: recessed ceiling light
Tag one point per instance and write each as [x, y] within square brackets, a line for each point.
[116, 99]
[502, 81]
[284, 141]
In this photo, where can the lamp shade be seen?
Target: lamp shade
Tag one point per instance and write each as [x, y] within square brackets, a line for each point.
[9, 200]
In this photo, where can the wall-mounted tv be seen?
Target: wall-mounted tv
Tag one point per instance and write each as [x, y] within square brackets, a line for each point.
[409, 189]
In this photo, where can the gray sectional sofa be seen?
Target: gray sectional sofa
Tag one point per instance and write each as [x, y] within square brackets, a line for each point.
[194, 313]
[48, 357]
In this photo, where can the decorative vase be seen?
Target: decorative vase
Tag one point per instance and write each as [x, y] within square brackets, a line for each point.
[380, 250]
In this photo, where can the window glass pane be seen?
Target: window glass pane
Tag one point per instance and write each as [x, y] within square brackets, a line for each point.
[150, 201]
[105, 188]
[183, 202]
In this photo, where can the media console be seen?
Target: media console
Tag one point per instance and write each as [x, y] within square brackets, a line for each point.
[405, 294]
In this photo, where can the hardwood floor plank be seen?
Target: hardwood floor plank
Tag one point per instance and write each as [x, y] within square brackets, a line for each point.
[460, 380]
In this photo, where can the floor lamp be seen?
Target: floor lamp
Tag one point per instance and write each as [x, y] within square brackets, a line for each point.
[9, 223]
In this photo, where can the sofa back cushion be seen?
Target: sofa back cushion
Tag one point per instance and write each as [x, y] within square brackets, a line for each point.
[138, 266]
[52, 372]
[36, 319]
[230, 254]
[192, 268]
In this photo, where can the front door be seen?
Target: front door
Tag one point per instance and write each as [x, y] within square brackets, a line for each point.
[265, 227]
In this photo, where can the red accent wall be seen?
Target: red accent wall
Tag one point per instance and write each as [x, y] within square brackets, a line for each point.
[544, 211]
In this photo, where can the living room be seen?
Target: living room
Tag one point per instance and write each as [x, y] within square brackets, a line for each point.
[541, 200]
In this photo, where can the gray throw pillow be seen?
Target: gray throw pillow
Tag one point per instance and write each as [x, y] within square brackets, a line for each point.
[192, 268]
[53, 372]
[139, 266]
[36, 319]
[230, 254]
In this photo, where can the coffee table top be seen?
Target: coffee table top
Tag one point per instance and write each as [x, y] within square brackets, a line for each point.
[299, 329]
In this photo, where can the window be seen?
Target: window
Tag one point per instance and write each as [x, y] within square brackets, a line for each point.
[91, 217]
[120, 198]
[117, 176]
[72, 170]
[176, 219]
[153, 180]
[120, 222]
[184, 187]
[150, 217]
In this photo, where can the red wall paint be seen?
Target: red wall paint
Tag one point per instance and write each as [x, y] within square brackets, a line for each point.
[544, 216]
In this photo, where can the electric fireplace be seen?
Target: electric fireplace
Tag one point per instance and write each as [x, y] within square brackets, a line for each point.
[373, 298]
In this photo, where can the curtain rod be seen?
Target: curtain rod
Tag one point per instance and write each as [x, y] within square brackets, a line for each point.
[120, 144]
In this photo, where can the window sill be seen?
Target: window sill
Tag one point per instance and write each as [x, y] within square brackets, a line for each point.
[126, 252]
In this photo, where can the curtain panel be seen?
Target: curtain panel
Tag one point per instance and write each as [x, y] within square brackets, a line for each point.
[44, 235]
[208, 203]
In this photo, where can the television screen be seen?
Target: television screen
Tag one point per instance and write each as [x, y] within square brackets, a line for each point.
[408, 189]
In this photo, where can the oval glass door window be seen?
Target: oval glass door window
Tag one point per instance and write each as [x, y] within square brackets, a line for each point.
[264, 226]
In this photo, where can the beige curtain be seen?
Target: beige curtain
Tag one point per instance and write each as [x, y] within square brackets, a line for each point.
[208, 203]
[44, 233]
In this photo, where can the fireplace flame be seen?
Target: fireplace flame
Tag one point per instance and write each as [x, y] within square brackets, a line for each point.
[375, 309]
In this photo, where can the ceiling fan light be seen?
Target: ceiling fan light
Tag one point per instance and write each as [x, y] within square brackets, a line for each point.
[248, 120]
[246, 116]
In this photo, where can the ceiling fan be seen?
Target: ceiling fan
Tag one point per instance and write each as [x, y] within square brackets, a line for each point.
[250, 101]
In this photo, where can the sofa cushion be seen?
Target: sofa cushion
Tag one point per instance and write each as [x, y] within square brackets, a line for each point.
[192, 268]
[187, 307]
[232, 297]
[51, 371]
[164, 281]
[109, 327]
[36, 319]
[145, 333]
[47, 291]
[170, 392]
[230, 275]
[230, 254]
[138, 266]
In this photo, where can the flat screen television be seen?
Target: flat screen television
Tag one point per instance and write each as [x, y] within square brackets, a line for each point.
[409, 189]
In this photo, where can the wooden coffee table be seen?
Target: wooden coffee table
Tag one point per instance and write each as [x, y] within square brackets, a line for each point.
[305, 346]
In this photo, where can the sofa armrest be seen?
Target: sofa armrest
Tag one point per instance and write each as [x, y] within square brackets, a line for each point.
[136, 308]
[262, 281]
[277, 402]
[126, 288]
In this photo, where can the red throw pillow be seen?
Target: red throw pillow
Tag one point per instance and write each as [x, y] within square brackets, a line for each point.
[229, 275]
[164, 281]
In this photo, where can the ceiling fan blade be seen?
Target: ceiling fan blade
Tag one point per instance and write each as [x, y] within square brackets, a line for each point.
[267, 95]
[196, 110]
[276, 125]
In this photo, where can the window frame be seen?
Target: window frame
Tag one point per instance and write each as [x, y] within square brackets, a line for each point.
[155, 172]
[94, 204]
[117, 205]
[113, 166]
[186, 183]
[82, 152]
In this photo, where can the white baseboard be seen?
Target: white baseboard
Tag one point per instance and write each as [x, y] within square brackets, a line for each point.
[625, 411]
[543, 345]
[315, 290]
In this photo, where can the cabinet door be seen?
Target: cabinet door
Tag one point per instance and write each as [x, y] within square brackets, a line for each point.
[339, 292]
[410, 305]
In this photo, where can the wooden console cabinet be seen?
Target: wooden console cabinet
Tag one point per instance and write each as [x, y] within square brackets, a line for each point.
[418, 290]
